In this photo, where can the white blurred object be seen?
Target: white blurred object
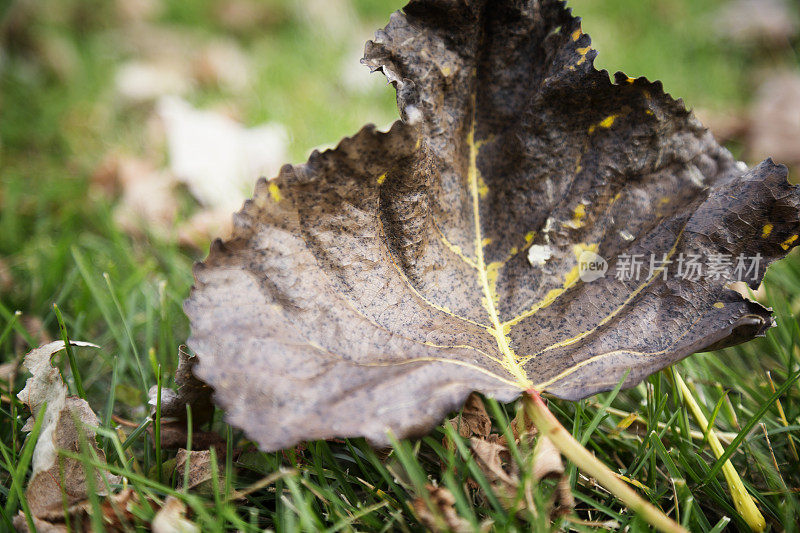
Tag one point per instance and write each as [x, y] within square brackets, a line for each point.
[775, 119]
[334, 18]
[215, 156]
[140, 81]
[223, 63]
[744, 21]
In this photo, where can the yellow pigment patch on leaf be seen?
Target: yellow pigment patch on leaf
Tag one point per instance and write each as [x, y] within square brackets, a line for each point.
[483, 189]
[788, 242]
[605, 123]
[275, 192]
[577, 217]
[582, 52]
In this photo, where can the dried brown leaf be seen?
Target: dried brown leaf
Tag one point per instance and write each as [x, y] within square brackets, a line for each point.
[42, 526]
[546, 460]
[174, 436]
[379, 284]
[441, 514]
[68, 421]
[190, 391]
[171, 518]
[494, 460]
[201, 471]
[473, 421]
[563, 499]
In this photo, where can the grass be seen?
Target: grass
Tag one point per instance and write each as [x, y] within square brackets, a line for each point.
[76, 270]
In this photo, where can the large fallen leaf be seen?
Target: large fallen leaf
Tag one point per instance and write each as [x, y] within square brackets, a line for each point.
[374, 287]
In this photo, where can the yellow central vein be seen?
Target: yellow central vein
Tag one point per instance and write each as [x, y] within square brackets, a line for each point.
[509, 357]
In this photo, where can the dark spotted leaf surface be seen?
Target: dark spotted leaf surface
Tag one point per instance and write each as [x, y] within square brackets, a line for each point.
[375, 286]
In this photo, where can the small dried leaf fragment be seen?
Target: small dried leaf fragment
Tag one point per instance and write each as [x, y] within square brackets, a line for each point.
[200, 471]
[171, 518]
[491, 457]
[546, 460]
[379, 284]
[190, 391]
[443, 516]
[494, 458]
[473, 421]
[42, 526]
[56, 479]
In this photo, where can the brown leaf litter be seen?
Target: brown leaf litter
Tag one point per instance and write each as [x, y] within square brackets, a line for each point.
[58, 481]
[494, 458]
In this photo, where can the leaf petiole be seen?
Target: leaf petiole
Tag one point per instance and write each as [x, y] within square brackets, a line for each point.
[549, 425]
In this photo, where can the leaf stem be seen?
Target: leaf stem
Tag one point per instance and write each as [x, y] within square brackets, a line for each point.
[741, 498]
[549, 425]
